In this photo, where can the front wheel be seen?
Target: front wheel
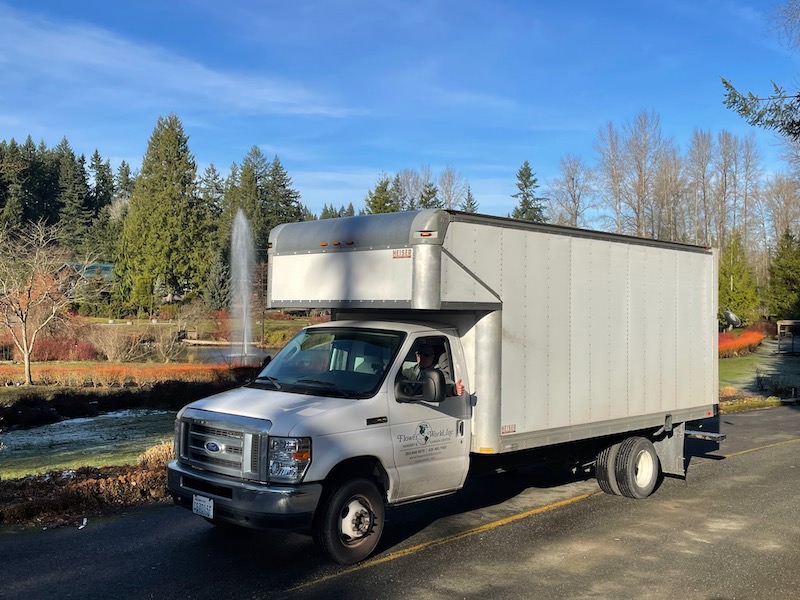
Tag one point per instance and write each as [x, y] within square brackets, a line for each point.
[351, 521]
[637, 467]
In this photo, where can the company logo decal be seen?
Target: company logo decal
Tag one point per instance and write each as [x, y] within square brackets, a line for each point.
[425, 443]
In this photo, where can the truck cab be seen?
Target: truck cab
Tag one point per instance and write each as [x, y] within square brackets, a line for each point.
[336, 405]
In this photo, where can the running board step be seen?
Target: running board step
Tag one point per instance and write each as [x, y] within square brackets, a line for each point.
[704, 435]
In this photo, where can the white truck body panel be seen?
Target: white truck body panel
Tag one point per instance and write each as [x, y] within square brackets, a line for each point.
[568, 334]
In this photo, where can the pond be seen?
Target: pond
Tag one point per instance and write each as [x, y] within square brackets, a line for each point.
[224, 354]
[110, 439]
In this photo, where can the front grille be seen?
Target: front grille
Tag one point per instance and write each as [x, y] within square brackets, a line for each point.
[224, 444]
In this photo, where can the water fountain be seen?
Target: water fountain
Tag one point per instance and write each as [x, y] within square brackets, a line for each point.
[242, 269]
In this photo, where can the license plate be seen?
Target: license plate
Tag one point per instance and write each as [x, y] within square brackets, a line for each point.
[203, 506]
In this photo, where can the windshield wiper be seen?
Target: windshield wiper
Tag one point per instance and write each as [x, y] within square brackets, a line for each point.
[269, 379]
[318, 382]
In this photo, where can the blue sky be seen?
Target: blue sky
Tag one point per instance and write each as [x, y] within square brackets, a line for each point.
[343, 91]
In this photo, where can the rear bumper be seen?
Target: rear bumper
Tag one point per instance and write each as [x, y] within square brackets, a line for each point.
[245, 503]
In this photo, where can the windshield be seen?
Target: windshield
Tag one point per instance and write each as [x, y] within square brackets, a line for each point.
[348, 363]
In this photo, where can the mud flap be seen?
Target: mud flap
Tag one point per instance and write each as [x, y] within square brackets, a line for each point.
[670, 450]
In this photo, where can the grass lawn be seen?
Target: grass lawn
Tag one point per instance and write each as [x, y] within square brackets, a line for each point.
[764, 372]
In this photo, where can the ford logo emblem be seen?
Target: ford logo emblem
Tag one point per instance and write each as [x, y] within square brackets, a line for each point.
[213, 447]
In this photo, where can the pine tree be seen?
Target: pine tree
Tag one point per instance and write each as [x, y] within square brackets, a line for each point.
[218, 290]
[282, 200]
[211, 189]
[529, 207]
[102, 188]
[429, 197]
[123, 182]
[328, 212]
[784, 279]
[737, 288]
[76, 212]
[11, 214]
[161, 239]
[469, 203]
[380, 200]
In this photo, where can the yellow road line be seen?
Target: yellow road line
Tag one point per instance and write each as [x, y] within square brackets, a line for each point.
[783, 443]
[445, 540]
[487, 527]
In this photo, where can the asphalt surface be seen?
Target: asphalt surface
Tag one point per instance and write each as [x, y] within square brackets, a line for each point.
[731, 530]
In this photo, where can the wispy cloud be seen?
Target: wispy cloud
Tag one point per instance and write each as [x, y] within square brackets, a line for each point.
[46, 60]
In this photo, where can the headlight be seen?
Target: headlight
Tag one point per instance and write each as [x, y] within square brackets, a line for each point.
[288, 459]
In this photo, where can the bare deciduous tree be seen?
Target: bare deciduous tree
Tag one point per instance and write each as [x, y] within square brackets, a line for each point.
[611, 172]
[452, 188]
[699, 167]
[38, 280]
[571, 193]
[642, 145]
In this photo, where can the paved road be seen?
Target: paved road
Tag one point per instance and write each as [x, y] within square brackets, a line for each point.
[731, 530]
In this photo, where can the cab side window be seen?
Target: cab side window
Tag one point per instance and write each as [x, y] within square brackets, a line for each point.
[416, 359]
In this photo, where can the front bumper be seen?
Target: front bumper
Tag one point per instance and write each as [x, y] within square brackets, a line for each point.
[245, 503]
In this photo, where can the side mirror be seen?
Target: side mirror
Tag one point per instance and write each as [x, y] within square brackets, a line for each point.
[429, 388]
[266, 360]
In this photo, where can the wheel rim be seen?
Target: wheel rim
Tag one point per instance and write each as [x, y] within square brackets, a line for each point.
[356, 520]
[645, 467]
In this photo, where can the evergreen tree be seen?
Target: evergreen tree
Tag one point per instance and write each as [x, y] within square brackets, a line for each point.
[737, 288]
[104, 233]
[38, 180]
[328, 212]
[380, 200]
[399, 194]
[161, 239]
[253, 179]
[74, 197]
[529, 207]
[306, 214]
[212, 190]
[429, 197]
[469, 204]
[123, 183]
[11, 214]
[218, 289]
[102, 189]
[283, 201]
[784, 279]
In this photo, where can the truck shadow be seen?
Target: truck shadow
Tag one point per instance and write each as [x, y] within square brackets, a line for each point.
[480, 492]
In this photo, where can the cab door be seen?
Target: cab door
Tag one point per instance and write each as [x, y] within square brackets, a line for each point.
[431, 440]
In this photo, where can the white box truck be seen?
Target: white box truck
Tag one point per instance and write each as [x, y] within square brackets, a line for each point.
[570, 344]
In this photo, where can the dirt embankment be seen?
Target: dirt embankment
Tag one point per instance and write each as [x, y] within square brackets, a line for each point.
[62, 498]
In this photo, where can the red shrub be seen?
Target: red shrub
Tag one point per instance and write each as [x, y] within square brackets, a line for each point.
[731, 344]
[62, 348]
[116, 375]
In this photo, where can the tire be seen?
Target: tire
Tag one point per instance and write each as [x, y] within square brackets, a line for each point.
[351, 522]
[637, 468]
[605, 470]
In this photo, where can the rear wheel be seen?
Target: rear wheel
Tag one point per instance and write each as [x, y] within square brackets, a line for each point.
[637, 467]
[605, 470]
[351, 521]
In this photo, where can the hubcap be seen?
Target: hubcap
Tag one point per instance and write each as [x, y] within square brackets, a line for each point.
[356, 521]
[644, 469]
